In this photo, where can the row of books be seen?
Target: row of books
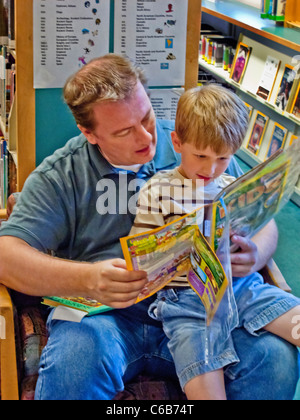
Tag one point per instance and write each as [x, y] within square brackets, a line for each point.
[217, 50]
[265, 136]
[8, 173]
[7, 82]
[7, 25]
[273, 9]
[3, 172]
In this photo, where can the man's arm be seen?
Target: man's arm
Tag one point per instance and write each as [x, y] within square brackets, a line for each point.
[254, 253]
[31, 272]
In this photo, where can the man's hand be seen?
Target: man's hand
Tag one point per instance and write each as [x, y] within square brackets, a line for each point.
[244, 260]
[113, 285]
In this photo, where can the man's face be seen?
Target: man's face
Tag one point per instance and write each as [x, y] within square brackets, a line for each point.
[126, 130]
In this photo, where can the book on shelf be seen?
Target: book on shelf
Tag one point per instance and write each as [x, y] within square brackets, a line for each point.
[295, 106]
[293, 138]
[198, 243]
[250, 109]
[277, 140]
[268, 78]
[240, 62]
[285, 88]
[257, 132]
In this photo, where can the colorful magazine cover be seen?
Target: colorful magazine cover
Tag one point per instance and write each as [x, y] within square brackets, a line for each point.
[240, 62]
[277, 140]
[296, 104]
[285, 87]
[254, 198]
[257, 133]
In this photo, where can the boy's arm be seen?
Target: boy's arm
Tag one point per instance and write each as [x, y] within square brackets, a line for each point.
[254, 253]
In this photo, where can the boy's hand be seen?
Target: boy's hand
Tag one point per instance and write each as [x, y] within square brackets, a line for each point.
[244, 260]
[113, 285]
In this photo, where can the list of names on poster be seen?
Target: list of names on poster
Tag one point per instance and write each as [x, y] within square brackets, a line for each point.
[67, 34]
[153, 34]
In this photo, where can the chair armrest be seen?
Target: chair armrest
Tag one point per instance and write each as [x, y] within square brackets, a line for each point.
[3, 214]
[272, 275]
[8, 361]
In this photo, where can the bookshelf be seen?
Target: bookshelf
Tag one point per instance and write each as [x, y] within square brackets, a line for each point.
[248, 18]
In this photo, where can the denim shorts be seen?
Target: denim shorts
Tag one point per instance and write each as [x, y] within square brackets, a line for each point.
[184, 322]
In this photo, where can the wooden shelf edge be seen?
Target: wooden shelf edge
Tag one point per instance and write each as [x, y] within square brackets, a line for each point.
[3, 214]
[265, 34]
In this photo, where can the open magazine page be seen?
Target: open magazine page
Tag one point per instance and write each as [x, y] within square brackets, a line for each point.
[176, 249]
[163, 252]
[254, 199]
[206, 276]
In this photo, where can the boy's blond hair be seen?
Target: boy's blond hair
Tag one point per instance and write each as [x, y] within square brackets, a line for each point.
[213, 116]
[108, 78]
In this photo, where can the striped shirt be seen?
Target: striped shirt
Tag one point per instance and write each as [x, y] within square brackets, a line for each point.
[167, 196]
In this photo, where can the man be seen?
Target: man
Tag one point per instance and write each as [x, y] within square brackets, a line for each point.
[72, 205]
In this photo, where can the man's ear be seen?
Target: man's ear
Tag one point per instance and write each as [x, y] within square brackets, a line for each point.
[176, 142]
[88, 134]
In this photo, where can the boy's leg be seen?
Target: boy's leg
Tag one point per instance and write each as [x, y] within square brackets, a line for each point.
[184, 321]
[287, 326]
[209, 386]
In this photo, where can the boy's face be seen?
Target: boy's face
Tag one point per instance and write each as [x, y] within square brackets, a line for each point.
[200, 164]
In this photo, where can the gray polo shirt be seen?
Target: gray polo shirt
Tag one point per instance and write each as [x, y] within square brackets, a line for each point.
[75, 202]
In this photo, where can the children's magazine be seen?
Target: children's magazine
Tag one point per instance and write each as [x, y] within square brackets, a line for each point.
[247, 205]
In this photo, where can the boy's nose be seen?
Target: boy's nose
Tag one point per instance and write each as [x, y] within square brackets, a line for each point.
[209, 170]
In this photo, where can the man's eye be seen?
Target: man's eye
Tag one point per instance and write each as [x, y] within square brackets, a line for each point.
[123, 133]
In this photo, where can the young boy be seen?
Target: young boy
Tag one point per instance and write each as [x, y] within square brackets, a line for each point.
[211, 123]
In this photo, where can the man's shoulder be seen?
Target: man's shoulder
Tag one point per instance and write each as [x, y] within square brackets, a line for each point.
[74, 146]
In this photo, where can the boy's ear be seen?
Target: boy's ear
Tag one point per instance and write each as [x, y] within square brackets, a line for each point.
[88, 134]
[176, 142]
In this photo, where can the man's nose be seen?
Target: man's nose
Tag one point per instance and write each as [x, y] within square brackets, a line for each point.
[143, 134]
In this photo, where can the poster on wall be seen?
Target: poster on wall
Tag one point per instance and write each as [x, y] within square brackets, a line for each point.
[153, 34]
[164, 102]
[67, 34]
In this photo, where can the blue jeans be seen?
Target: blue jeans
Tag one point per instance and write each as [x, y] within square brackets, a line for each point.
[93, 359]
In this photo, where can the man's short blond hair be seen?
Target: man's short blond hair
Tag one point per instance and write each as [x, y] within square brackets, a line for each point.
[213, 116]
[108, 78]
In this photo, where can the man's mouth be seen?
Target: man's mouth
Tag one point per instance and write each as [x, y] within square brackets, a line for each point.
[144, 151]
